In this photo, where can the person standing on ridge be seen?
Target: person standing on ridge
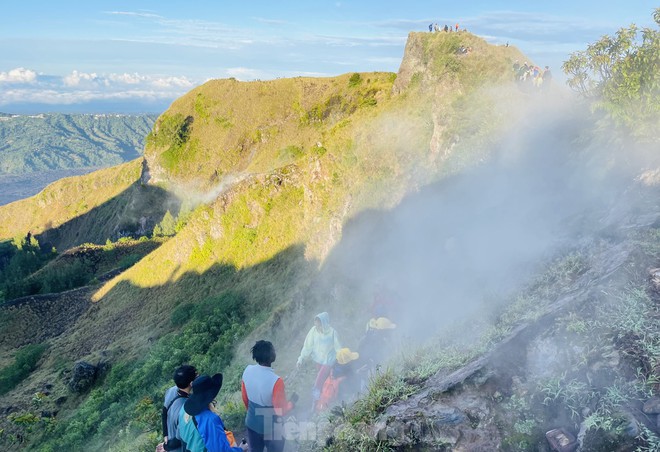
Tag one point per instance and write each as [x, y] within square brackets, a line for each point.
[457, 26]
[264, 397]
[547, 77]
[431, 26]
[174, 400]
[322, 345]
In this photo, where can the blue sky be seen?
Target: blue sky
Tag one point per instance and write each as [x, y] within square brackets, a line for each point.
[98, 56]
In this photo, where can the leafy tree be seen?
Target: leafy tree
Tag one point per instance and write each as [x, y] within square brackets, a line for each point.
[622, 74]
[19, 259]
[167, 226]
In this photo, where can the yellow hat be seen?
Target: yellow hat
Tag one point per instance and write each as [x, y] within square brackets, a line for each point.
[381, 323]
[345, 356]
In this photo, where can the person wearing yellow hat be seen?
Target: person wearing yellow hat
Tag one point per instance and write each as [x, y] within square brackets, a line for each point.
[342, 382]
[345, 356]
[380, 323]
[377, 341]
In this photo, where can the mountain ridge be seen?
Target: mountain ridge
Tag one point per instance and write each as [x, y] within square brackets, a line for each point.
[52, 141]
[312, 202]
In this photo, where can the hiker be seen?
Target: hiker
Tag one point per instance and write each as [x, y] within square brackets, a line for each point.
[547, 77]
[377, 341]
[385, 303]
[457, 26]
[174, 400]
[342, 381]
[431, 26]
[200, 426]
[446, 28]
[435, 27]
[265, 399]
[321, 344]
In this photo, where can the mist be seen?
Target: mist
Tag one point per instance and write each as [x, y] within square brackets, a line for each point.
[550, 184]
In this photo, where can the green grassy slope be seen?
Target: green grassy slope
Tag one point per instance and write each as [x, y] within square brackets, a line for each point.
[309, 154]
[91, 208]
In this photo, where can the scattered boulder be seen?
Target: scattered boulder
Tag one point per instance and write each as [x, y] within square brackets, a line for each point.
[82, 377]
[654, 274]
[102, 368]
[652, 406]
[632, 428]
[561, 440]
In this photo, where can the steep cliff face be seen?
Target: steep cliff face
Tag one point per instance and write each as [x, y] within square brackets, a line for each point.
[432, 58]
[449, 70]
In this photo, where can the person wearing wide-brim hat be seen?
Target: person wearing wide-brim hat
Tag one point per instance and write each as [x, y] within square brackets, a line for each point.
[200, 427]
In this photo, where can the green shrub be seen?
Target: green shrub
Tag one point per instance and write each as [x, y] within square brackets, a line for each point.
[25, 362]
[290, 153]
[67, 277]
[129, 395]
[355, 80]
[129, 260]
[181, 314]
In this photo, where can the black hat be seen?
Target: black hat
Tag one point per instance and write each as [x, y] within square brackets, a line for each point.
[204, 390]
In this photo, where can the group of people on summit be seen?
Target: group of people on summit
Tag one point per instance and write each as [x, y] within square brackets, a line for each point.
[191, 422]
[447, 28]
[530, 74]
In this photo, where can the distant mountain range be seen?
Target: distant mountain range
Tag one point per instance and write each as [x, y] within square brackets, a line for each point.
[36, 143]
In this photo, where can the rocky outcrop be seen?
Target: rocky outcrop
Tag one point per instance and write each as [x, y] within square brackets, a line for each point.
[84, 375]
[459, 410]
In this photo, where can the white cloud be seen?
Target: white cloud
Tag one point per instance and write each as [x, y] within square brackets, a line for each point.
[56, 97]
[264, 20]
[128, 79]
[145, 15]
[172, 82]
[18, 75]
[83, 87]
[76, 78]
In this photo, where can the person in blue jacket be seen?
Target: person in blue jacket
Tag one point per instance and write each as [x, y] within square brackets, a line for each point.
[200, 427]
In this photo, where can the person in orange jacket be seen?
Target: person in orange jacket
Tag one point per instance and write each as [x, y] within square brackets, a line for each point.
[342, 382]
[265, 399]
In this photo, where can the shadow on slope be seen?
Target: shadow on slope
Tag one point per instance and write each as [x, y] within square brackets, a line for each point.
[147, 332]
[134, 212]
[448, 249]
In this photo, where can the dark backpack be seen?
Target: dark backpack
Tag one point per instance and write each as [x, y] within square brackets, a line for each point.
[172, 443]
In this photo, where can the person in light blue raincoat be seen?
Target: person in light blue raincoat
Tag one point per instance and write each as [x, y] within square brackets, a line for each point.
[321, 345]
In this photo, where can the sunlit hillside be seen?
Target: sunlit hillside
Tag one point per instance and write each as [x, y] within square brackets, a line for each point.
[482, 206]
